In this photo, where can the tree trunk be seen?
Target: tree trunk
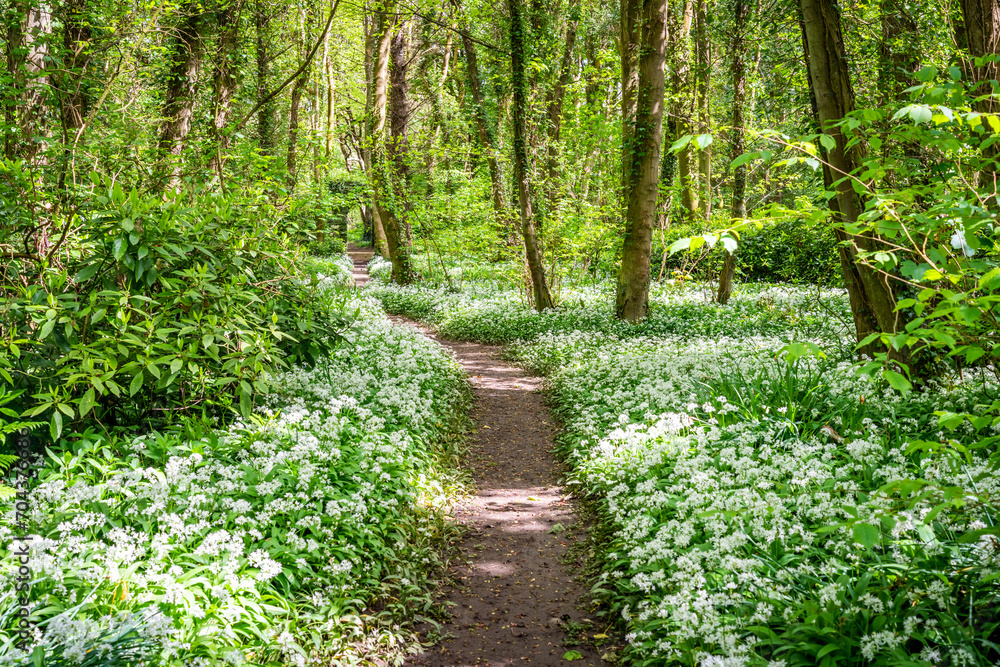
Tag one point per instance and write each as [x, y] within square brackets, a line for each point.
[737, 146]
[381, 38]
[293, 125]
[629, 41]
[872, 300]
[533, 253]
[178, 107]
[266, 113]
[486, 138]
[37, 28]
[554, 104]
[15, 74]
[76, 42]
[683, 100]
[642, 177]
[397, 225]
[703, 76]
[981, 25]
[224, 80]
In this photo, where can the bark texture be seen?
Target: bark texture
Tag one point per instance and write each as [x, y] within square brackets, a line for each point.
[533, 254]
[872, 299]
[486, 137]
[737, 146]
[187, 53]
[397, 225]
[642, 176]
[224, 78]
[381, 39]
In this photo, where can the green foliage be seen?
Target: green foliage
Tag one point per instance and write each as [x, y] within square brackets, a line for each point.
[310, 529]
[155, 305]
[765, 501]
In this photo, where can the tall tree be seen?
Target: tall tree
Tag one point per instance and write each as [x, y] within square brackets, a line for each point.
[642, 170]
[554, 102]
[486, 135]
[378, 90]
[532, 252]
[186, 55]
[224, 77]
[703, 79]
[397, 225]
[682, 111]
[737, 146]
[873, 302]
[293, 112]
[265, 115]
[74, 100]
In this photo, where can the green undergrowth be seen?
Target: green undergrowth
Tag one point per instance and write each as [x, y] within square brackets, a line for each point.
[761, 501]
[312, 532]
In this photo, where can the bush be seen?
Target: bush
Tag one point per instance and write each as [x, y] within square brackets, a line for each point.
[154, 307]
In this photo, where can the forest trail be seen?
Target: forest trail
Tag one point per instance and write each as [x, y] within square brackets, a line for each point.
[514, 598]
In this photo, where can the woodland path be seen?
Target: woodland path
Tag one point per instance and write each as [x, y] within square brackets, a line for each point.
[514, 597]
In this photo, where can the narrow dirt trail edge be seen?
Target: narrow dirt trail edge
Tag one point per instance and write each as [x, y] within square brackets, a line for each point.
[514, 598]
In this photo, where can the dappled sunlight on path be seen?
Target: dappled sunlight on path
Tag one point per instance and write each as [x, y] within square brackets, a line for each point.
[514, 596]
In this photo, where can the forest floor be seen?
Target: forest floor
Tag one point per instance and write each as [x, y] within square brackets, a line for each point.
[512, 597]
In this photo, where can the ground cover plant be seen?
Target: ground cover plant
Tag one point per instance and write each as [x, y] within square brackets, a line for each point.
[306, 531]
[768, 504]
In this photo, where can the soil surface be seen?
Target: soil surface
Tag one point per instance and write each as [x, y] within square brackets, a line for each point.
[513, 600]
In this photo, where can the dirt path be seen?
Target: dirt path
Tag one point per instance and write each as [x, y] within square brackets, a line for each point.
[515, 601]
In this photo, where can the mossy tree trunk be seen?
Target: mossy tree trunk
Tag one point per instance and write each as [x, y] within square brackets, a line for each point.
[642, 172]
[533, 254]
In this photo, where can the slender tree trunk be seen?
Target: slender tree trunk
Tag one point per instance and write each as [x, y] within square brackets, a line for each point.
[872, 299]
[224, 74]
[265, 115]
[555, 101]
[981, 24]
[15, 16]
[981, 34]
[683, 100]
[642, 178]
[629, 42]
[703, 77]
[178, 107]
[397, 223]
[376, 125]
[486, 139]
[293, 112]
[37, 31]
[533, 253]
[738, 208]
[76, 43]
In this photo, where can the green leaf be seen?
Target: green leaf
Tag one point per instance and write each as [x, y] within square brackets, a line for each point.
[865, 534]
[897, 381]
[828, 142]
[118, 248]
[245, 405]
[87, 402]
[135, 385]
[46, 329]
[572, 655]
[56, 426]
[703, 141]
[680, 143]
[680, 244]
[86, 273]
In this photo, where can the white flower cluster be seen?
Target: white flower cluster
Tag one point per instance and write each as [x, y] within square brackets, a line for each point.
[757, 503]
[209, 536]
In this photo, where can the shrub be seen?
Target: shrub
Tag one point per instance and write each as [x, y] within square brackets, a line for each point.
[156, 306]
